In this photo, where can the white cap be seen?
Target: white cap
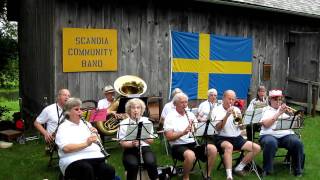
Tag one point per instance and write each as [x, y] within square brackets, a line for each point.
[275, 93]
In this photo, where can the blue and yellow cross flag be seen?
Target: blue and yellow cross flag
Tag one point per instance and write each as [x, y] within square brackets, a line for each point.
[203, 61]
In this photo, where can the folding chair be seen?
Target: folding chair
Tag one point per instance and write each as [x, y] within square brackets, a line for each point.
[179, 170]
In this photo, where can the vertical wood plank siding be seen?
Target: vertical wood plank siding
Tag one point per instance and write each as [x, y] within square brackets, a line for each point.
[143, 41]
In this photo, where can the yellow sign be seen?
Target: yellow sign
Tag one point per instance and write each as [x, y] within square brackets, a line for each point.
[89, 50]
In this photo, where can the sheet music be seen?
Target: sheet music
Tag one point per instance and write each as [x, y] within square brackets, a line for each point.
[132, 131]
[256, 116]
[288, 123]
[200, 127]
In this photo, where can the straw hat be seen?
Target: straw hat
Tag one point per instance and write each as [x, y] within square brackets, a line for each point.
[108, 89]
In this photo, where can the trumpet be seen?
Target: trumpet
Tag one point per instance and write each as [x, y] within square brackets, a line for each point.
[290, 109]
[237, 119]
[293, 111]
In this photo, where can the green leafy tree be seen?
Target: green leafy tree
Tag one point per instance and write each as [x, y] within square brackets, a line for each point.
[9, 61]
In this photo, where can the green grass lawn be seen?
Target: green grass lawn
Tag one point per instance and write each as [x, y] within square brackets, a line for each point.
[28, 161]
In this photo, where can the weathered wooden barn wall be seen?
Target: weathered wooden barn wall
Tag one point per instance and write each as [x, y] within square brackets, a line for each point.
[143, 40]
[36, 52]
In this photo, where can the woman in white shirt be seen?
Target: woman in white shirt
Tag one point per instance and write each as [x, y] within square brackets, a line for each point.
[135, 109]
[260, 101]
[80, 156]
[272, 139]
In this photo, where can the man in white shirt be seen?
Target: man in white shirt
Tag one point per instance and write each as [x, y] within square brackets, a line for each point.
[207, 106]
[178, 125]
[51, 115]
[229, 135]
[169, 106]
[109, 97]
[271, 139]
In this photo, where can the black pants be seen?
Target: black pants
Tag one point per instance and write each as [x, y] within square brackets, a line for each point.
[131, 162]
[90, 169]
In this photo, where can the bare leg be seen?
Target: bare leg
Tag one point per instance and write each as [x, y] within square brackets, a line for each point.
[189, 158]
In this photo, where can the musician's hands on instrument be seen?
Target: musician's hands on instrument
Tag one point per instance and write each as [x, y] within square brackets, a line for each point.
[283, 108]
[93, 130]
[48, 137]
[229, 111]
[188, 128]
[91, 139]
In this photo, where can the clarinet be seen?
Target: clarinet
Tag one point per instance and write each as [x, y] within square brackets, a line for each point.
[192, 129]
[98, 142]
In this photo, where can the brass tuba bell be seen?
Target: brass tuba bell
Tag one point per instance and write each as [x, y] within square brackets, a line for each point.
[126, 86]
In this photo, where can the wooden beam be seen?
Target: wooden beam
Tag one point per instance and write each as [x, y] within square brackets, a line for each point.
[303, 81]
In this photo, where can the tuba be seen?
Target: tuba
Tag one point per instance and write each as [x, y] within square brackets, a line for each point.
[126, 86]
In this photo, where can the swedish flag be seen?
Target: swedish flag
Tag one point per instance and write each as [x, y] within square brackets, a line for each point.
[203, 61]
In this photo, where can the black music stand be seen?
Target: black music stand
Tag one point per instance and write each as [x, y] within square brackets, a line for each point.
[205, 129]
[291, 122]
[140, 131]
[257, 112]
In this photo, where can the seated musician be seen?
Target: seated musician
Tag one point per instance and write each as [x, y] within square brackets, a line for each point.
[169, 106]
[260, 101]
[229, 138]
[50, 116]
[261, 98]
[178, 127]
[109, 97]
[80, 155]
[135, 108]
[271, 139]
[207, 106]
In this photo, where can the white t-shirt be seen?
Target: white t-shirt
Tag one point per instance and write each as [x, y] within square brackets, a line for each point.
[167, 108]
[71, 133]
[50, 116]
[204, 109]
[269, 112]
[255, 101]
[174, 121]
[230, 129]
[127, 122]
[103, 104]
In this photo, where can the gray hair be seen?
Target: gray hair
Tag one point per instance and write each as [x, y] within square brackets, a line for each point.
[135, 101]
[229, 92]
[176, 91]
[179, 96]
[71, 103]
[212, 90]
